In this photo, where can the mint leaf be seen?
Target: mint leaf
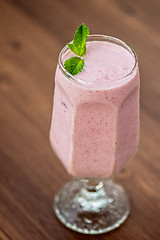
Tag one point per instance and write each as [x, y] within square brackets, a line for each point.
[79, 41]
[74, 65]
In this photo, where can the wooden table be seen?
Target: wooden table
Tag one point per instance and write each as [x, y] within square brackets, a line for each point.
[32, 32]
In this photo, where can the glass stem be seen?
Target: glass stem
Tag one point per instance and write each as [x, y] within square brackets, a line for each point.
[92, 196]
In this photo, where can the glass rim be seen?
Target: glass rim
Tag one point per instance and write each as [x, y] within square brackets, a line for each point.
[98, 37]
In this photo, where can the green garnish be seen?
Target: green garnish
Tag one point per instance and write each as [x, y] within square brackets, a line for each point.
[74, 65]
[79, 41]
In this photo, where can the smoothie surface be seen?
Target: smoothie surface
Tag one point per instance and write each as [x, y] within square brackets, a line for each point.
[104, 61]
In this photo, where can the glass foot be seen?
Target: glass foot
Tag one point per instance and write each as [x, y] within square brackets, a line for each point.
[92, 206]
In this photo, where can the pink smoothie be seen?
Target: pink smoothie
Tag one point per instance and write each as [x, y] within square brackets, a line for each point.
[95, 120]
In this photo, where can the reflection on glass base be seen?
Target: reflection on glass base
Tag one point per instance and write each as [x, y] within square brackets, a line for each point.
[91, 206]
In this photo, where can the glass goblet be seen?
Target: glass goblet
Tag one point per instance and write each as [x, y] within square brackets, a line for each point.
[94, 132]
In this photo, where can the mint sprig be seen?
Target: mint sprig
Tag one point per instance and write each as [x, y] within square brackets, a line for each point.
[74, 65]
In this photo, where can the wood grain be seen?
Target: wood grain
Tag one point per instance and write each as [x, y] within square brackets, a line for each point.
[31, 36]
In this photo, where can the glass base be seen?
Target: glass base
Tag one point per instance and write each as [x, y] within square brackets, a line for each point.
[92, 206]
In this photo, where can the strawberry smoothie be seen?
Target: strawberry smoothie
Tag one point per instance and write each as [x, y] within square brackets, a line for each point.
[95, 120]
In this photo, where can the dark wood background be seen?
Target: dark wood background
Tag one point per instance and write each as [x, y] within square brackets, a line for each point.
[32, 32]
